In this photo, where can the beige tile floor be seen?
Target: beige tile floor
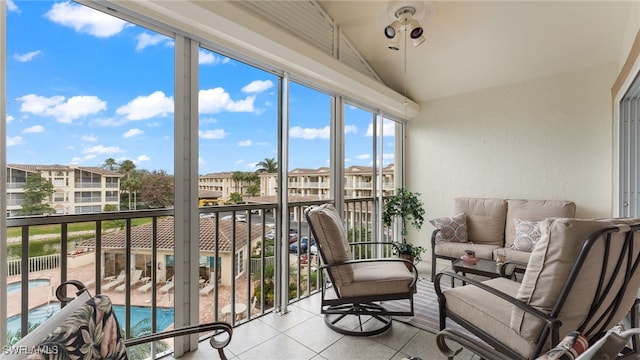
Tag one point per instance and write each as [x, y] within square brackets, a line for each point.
[302, 334]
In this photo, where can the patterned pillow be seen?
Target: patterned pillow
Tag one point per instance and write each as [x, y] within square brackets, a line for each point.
[451, 228]
[90, 332]
[527, 234]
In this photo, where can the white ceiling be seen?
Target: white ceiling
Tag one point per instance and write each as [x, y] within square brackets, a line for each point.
[473, 45]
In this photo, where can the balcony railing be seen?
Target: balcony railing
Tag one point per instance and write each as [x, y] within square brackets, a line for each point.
[238, 264]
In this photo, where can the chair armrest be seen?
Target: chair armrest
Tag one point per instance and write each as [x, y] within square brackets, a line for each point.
[513, 266]
[219, 327]
[552, 323]
[467, 342]
[433, 238]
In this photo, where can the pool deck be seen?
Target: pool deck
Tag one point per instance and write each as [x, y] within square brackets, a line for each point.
[41, 295]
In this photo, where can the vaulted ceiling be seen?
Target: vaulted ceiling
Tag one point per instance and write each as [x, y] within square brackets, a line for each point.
[473, 45]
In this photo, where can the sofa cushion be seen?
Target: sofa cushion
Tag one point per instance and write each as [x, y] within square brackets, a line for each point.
[534, 210]
[550, 264]
[485, 219]
[451, 228]
[527, 234]
[455, 250]
[513, 255]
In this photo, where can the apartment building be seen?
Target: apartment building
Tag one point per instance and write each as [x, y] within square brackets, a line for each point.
[77, 189]
[307, 183]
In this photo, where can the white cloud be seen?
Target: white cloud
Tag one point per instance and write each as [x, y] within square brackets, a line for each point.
[212, 134]
[15, 140]
[9, 118]
[257, 86]
[350, 129]
[388, 129]
[363, 156]
[145, 107]
[142, 158]
[63, 111]
[238, 162]
[309, 133]
[132, 133]
[209, 58]
[89, 138]
[27, 56]
[146, 39]
[101, 149]
[11, 6]
[78, 159]
[85, 20]
[245, 143]
[252, 166]
[217, 100]
[34, 129]
[201, 161]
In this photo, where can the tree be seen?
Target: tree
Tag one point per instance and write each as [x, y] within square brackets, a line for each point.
[156, 189]
[253, 190]
[127, 167]
[110, 164]
[235, 198]
[267, 166]
[238, 177]
[36, 190]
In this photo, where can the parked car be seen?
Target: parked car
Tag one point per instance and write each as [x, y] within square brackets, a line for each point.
[304, 243]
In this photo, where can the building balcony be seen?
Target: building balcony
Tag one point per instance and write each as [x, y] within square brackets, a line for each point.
[97, 249]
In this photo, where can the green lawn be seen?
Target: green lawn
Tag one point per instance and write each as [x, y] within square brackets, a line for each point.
[55, 229]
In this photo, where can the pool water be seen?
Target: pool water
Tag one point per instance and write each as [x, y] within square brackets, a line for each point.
[164, 316]
[17, 286]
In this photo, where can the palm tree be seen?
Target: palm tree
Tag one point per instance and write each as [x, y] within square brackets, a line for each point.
[267, 165]
[127, 167]
[110, 164]
[238, 177]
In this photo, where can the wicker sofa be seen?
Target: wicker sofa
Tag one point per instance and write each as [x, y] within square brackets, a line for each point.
[489, 225]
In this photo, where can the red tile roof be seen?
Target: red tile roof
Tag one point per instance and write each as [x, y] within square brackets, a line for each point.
[141, 236]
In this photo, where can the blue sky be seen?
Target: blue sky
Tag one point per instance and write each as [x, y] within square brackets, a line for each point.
[83, 86]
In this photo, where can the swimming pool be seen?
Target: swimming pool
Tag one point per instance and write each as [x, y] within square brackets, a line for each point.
[15, 287]
[164, 316]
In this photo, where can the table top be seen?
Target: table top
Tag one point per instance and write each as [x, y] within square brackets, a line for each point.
[240, 308]
[484, 267]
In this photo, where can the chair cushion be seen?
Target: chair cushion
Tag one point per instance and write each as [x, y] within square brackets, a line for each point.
[534, 210]
[550, 264]
[451, 228]
[488, 312]
[378, 278]
[331, 238]
[485, 219]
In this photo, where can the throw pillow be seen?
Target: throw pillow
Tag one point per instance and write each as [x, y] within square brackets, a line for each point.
[527, 234]
[451, 228]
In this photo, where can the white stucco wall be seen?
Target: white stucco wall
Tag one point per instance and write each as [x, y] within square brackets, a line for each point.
[549, 138]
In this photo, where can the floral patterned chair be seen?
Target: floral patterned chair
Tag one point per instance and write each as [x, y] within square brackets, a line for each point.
[87, 328]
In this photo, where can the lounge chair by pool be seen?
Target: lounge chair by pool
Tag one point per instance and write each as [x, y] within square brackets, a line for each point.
[168, 286]
[115, 282]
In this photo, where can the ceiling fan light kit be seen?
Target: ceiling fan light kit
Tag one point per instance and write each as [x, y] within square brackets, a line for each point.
[405, 18]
